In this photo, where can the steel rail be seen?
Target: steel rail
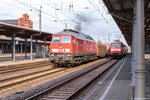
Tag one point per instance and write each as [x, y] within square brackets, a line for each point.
[29, 79]
[24, 75]
[36, 96]
[22, 67]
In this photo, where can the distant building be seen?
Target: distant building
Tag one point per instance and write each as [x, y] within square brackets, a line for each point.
[5, 42]
[23, 21]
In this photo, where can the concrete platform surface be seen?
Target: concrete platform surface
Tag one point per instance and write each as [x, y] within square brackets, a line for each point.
[147, 83]
[8, 63]
[17, 54]
[116, 84]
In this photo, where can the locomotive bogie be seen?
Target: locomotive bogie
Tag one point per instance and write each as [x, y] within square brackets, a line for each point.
[61, 58]
[71, 58]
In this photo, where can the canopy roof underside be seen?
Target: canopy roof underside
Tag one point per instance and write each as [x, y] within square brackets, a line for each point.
[123, 14]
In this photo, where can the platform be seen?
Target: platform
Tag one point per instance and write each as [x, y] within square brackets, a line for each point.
[8, 56]
[114, 85]
[147, 79]
[17, 62]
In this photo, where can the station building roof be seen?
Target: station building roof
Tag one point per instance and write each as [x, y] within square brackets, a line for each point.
[123, 14]
[22, 32]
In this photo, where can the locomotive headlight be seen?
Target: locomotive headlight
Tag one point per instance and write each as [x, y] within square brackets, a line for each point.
[118, 50]
[55, 50]
[115, 49]
[66, 50]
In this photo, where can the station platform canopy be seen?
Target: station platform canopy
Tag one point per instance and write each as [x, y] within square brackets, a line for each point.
[123, 12]
[8, 30]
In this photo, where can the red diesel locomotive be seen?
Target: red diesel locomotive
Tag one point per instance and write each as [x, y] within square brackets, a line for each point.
[70, 47]
[117, 49]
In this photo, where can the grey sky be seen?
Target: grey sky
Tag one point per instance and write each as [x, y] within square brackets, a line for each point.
[91, 14]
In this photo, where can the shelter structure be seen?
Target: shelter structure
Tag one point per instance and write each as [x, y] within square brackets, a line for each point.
[133, 19]
[24, 32]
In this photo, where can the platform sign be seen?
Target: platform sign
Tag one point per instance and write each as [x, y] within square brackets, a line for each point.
[17, 42]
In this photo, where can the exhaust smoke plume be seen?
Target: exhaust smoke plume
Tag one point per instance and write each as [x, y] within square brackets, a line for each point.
[84, 21]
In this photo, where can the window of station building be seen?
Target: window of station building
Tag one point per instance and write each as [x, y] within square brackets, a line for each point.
[56, 39]
[147, 48]
[115, 45]
[66, 39]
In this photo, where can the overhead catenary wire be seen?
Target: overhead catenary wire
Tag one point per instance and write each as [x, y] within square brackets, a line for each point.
[2, 13]
[50, 3]
[106, 10]
[67, 9]
[36, 9]
[96, 8]
[55, 9]
[78, 15]
[22, 8]
[72, 9]
[100, 1]
[57, 17]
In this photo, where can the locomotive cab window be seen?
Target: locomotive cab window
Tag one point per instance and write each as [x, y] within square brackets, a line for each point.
[56, 39]
[66, 39]
[115, 45]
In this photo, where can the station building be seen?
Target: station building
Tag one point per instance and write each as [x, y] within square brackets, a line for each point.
[23, 40]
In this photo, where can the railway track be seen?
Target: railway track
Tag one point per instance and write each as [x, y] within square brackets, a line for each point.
[14, 81]
[20, 67]
[66, 89]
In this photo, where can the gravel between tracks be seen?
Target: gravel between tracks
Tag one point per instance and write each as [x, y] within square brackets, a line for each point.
[30, 88]
[22, 72]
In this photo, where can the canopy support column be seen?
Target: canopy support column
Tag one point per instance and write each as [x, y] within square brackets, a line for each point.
[133, 61]
[140, 64]
[31, 48]
[48, 48]
[13, 47]
[25, 48]
[36, 47]
[44, 47]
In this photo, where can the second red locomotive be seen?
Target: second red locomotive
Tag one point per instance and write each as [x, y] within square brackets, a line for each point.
[117, 49]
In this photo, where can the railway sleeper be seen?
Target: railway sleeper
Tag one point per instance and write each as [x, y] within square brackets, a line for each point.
[63, 92]
[60, 93]
[53, 98]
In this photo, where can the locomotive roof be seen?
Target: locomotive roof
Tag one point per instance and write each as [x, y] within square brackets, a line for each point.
[118, 43]
[76, 34]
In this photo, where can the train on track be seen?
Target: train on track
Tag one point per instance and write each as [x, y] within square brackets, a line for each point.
[117, 49]
[71, 48]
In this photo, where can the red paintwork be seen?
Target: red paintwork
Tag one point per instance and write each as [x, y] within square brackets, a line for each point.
[76, 46]
[122, 50]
